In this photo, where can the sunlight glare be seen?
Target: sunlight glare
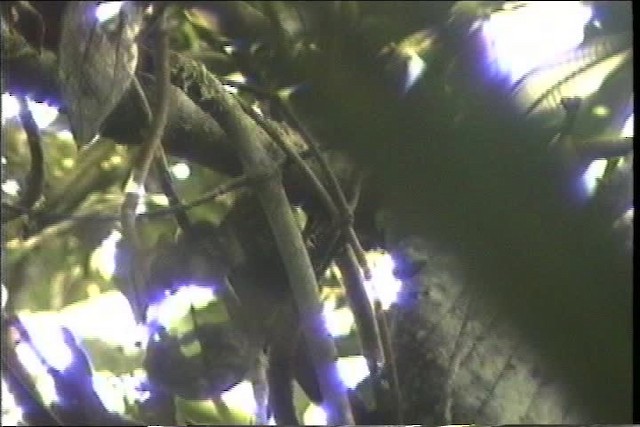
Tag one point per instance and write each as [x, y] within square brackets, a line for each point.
[12, 414]
[43, 114]
[181, 171]
[241, 398]
[593, 174]
[50, 341]
[314, 415]
[107, 10]
[11, 187]
[103, 258]
[383, 284]
[523, 38]
[627, 129]
[43, 381]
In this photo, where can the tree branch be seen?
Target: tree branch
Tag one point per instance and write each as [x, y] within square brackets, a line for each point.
[251, 142]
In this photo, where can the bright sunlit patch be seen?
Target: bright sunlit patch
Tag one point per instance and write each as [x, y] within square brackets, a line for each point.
[105, 384]
[523, 38]
[340, 322]
[352, 370]
[115, 391]
[10, 107]
[5, 296]
[49, 340]
[241, 397]
[36, 368]
[314, 416]
[43, 114]
[593, 174]
[181, 170]
[415, 68]
[103, 258]
[383, 284]
[142, 206]
[627, 129]
[107, 10]
[95, 319]
[12, 414]
[176, 305]
[11, 187]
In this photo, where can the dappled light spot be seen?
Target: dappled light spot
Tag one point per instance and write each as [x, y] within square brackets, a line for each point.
[241, 398]
[11, 187]
[180, 171]
[314, 415]
[177, 304]
[340, 322]
[352, 370]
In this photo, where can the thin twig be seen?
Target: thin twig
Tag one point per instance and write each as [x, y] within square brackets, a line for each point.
[389, 355]
[231, 185]
[35, 179]
[143, 164]
[161, 163]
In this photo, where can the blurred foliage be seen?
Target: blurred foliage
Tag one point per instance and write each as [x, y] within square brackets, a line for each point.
[52, 259]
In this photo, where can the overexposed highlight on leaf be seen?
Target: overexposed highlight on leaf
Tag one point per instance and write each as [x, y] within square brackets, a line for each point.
[107, 10]
[352, 370]
[522, 38]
